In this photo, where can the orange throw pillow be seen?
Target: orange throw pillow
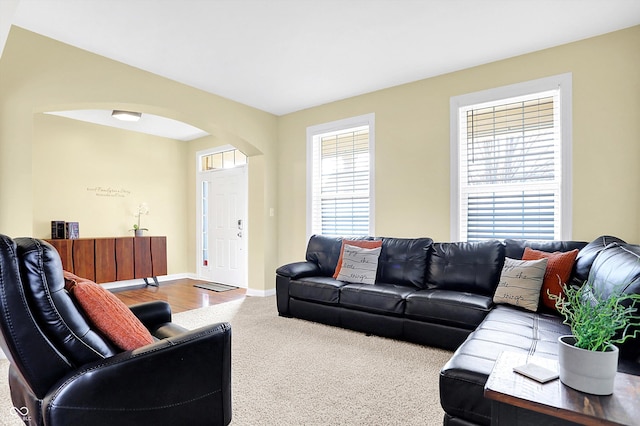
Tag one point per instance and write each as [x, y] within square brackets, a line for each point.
[368, 244]
[111, 316]
[70, 280]
[559, 267]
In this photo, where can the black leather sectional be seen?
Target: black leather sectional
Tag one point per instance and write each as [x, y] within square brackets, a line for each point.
[441, 294]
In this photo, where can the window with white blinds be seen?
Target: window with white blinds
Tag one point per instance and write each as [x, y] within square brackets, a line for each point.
[340, 177]
[511, 178]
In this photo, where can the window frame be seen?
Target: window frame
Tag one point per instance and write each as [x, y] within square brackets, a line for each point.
[563, 82]
[317, 131]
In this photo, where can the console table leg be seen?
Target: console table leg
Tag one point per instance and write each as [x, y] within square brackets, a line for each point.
[155, 282]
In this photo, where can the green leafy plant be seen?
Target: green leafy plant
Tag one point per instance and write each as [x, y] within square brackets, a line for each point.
[597, 321]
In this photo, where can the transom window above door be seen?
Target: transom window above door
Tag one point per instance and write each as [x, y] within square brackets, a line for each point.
[222, 160]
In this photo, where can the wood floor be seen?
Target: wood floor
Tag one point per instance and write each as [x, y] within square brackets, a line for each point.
[181, 295]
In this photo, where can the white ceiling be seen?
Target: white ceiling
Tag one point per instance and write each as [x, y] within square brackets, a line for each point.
[148, 123]
[285, 55]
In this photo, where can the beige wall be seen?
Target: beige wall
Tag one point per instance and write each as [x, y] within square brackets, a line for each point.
[38, 74]
[412, 143]
[412, 146]
[98, 176]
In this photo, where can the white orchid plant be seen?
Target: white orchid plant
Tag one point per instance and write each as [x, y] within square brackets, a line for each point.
[143, 209]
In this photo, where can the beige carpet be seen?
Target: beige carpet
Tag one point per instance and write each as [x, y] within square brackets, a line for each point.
[293, 372]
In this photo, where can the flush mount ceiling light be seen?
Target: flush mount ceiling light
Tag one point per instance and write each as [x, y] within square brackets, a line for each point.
[126, 115]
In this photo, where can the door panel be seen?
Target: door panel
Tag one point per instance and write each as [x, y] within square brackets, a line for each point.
[226, 238]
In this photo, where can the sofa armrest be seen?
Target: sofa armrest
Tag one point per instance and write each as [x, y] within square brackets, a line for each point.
[185, 379]
[285, 274]
[152, 314]
[299, 270]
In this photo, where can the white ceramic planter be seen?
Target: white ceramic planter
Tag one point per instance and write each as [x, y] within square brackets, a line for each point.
[591, 372]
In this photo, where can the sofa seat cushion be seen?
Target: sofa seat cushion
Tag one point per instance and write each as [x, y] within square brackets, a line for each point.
[505, 328]
[378, 298]
[455, 308]
[514, 329]
[319, 289]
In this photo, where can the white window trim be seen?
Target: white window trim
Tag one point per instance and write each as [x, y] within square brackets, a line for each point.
[338, 126]
[562, 81]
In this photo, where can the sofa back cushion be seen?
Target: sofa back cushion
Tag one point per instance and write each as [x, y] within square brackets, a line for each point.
[617, 268]
[34, 359]
[588, 254]
[324, 251]
[52, 306]
[515, 248]
[403, 261]
[474, 267]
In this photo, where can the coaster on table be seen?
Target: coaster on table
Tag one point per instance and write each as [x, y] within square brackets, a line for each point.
[536, 372]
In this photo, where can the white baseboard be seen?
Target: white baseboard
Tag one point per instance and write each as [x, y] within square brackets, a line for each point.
[261, 293]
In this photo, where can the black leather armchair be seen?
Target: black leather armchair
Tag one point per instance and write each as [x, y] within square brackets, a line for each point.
[63, 372]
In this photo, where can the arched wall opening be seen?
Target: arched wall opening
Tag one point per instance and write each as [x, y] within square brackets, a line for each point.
[53, 76]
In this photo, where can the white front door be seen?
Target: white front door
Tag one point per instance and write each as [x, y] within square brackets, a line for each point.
[223, 220]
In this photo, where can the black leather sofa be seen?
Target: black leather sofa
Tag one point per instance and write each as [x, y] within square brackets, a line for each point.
[441, 294]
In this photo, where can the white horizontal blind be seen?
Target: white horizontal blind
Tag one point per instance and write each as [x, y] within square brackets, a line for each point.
[341, 182]
[510, 177]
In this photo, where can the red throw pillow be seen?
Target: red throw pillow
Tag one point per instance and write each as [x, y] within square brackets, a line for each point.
[560, 264]
[111, 316]
[368, 244]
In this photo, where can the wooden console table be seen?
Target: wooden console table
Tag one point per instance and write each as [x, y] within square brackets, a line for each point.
[114, 259]
[518, 400]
